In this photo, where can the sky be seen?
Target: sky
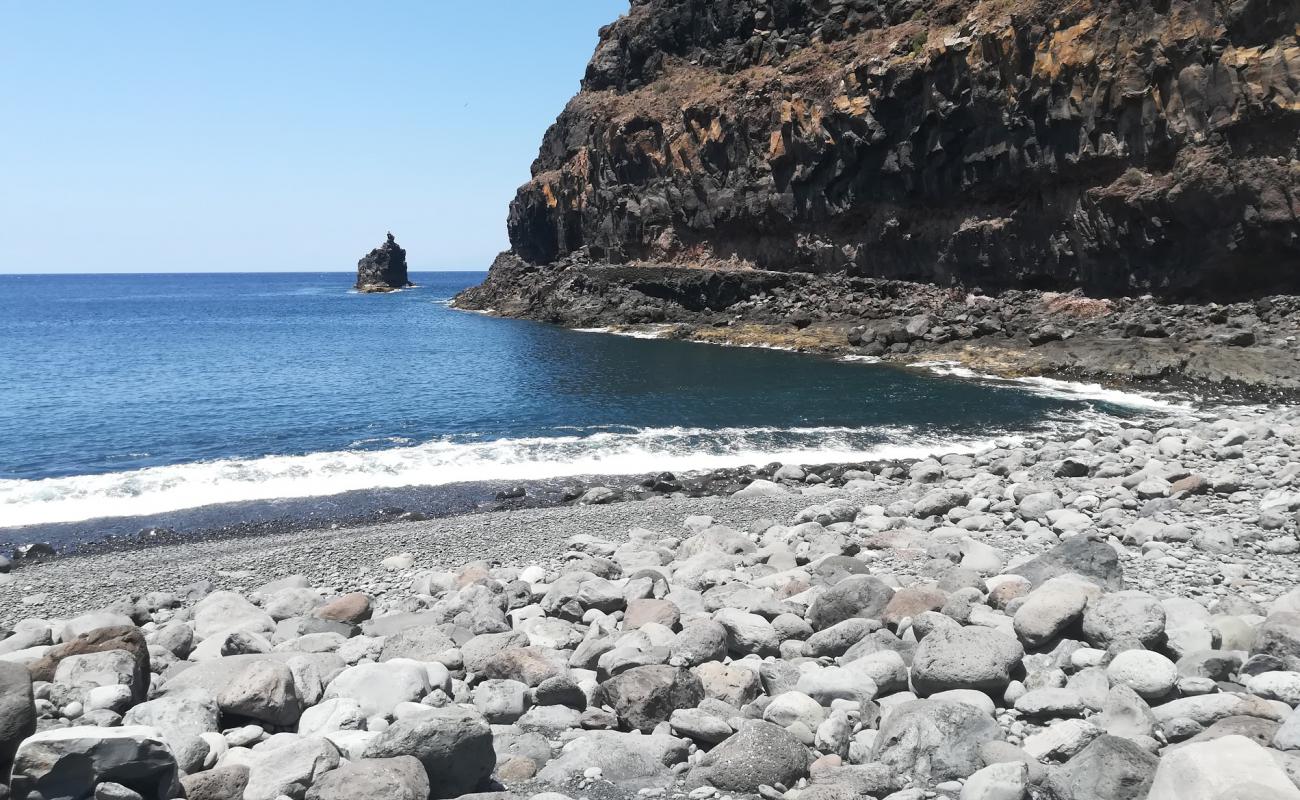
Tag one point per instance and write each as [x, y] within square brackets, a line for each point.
[289, 136]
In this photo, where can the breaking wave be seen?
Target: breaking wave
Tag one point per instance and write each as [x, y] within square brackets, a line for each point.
[1065, 390]
[155, 490]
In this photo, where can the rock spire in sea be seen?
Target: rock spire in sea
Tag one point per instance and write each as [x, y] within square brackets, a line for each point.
[383, 269]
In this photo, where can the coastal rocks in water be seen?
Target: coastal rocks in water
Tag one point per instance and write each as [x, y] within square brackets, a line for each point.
[383, 269]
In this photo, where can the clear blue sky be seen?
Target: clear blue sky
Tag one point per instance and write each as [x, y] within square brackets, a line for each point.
[289, 135]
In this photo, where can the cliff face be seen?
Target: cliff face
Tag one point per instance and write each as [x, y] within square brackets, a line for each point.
[1120, 147]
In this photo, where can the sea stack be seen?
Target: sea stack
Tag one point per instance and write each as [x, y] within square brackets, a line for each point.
[383, 269]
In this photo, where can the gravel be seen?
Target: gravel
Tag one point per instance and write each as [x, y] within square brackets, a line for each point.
[350, 557]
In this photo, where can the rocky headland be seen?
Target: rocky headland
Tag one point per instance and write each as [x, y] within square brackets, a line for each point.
[1244, 349]
[783, 173]
[1110, 617]
[383, 269]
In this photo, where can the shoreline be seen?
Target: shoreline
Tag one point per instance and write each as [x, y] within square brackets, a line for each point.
[426, 503]
[557, 502]
[1117, 596]
[250, 520]
[1233, 352]
[362, 507]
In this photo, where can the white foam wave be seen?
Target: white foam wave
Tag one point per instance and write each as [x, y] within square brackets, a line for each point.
[1052, 387]
[157, 490]
[1060, 389]
[648, 332]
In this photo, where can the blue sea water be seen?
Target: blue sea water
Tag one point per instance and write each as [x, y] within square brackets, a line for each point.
[126, 395]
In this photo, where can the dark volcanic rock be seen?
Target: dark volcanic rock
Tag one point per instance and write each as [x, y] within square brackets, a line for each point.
[1094, 560]
[896, 178]
[17, 713]
[1117, 147]
[645, 696]
[383, 269]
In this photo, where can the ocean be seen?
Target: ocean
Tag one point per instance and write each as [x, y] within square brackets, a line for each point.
[128, 399]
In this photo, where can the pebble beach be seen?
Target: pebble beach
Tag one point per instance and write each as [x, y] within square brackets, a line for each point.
[1113, 616]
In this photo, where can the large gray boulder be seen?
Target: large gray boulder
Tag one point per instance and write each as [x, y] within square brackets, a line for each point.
[937, 502]
[1279, 636]
[421, 642]
[965, 658]
[758, 754]
[700, 641]
[1051, 608]
[222, 783]
[17, 712]
[643, 697]
[1109, 768]
[70, 762]
[528, 665]
[223, 613]
[856, 596]
[92, 670]
[478, 651]
[453, 744]
[85, 623]
[335, 714]
[180, 718]
[1125, 714]
[378, 688]
[1208, 709]
[631, 760]
[285, 769]
[1096, 561]
[1231, 768]
[1129, 615]
[934, 740]
[397, 778]
[252, 686]
[748, 633]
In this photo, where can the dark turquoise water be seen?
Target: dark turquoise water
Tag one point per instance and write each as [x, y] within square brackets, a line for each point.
[136, 394]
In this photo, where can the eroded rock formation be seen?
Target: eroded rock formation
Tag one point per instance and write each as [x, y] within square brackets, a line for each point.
[383, 269]
[1118, 147]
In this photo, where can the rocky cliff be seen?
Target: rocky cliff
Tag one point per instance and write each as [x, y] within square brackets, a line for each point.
[1119, 147]
[383, 269]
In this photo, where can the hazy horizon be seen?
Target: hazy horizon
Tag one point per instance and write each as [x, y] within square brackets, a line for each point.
[154, 138]
[73, 274]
